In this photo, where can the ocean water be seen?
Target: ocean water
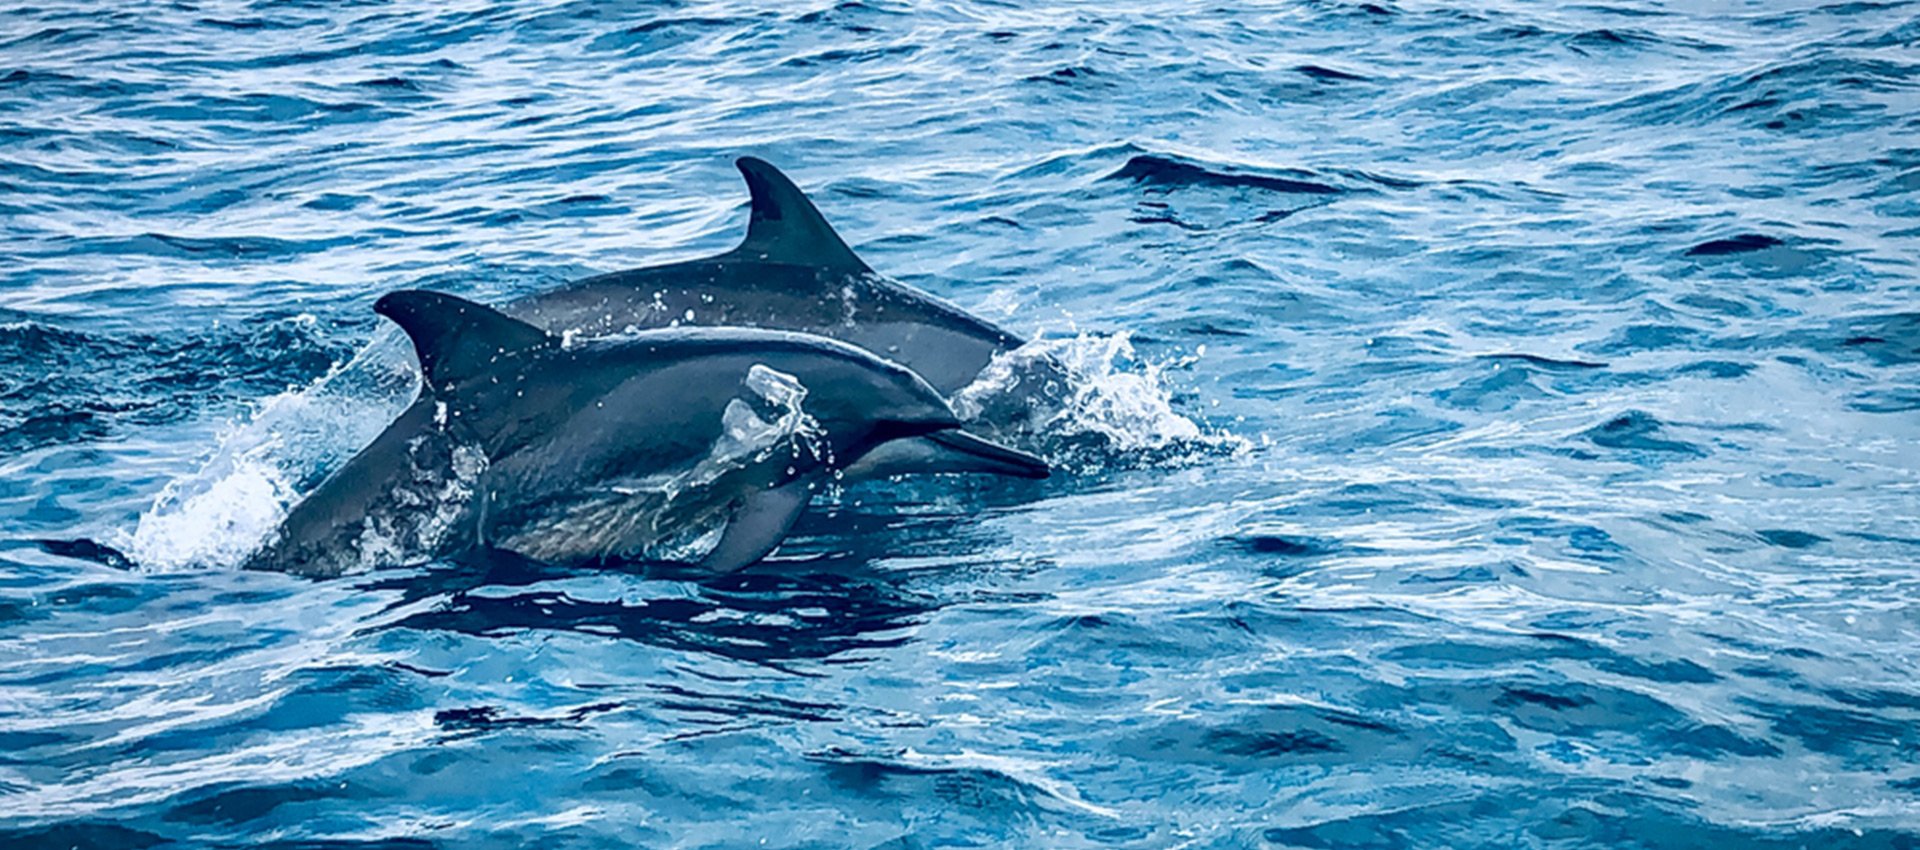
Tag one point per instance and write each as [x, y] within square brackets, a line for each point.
[1500, 427]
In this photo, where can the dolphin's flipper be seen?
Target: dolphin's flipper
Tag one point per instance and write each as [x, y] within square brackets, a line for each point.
[454, 338]
[758, 526]
[784, 227]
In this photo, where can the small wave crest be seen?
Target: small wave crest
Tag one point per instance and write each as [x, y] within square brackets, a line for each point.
[1088, 401]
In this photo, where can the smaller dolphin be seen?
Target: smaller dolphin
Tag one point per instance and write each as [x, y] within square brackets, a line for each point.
[695, 444]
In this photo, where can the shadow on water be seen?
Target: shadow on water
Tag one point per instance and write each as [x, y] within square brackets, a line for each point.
[824, 598]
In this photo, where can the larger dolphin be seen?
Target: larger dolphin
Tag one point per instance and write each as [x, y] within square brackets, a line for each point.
[690, 444]
[792, 272]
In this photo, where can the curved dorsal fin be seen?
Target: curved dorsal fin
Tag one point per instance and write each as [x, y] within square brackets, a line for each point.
[454, 338]
[784, 226]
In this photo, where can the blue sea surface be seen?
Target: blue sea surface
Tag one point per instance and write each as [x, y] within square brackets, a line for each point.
[1508, 425]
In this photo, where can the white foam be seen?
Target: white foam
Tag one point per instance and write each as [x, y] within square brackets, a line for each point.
[1089, 388]
[222, 512]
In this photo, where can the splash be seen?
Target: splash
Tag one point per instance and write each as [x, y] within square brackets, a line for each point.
[1087, 399]
[223, 512]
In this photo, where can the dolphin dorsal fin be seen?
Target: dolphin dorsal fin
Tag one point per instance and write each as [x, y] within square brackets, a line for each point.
[455, 338]
[785, 227]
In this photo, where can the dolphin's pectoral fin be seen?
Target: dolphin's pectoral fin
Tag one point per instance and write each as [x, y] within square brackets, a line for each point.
[758, 526]
[785, 227]
[454, 338]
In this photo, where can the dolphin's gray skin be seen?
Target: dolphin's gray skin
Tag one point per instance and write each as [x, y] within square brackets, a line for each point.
[608, 449]
[792, 272]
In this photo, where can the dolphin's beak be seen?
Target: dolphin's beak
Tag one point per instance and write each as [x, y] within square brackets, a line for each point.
[944, 452]
[963, 452]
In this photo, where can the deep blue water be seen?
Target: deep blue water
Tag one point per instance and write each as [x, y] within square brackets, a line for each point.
[1557, 376]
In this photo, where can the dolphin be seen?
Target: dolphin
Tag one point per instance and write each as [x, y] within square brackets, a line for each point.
[791, 272]
[651, 445]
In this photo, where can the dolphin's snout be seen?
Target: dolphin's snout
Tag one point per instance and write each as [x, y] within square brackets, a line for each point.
[984, 455]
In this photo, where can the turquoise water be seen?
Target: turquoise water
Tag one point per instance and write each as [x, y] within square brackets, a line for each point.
[1508, 427]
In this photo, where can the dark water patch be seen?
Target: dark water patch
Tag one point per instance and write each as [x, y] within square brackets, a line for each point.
[1284, 546]
[1885, 401]
[958, 787]
[1584, 710]
[1507, 380]
[1464, 575]
[1738, 244]
[60, 386]
[1639, 432]
[1376, 178]
[1787, 538]
[390, 84]
[238, 25]
[1170, 173]
[1330, 75]
[79, 835]
[1776, 98]
[1274, 737]
[1796, 480]
[1891, 340]
[1406, 424]
[659, 34]
[1636, 820]
[345, 844]
[1552, 646]
[488, 718]
[1611, 41]
[1870, 737]
[228, 248]
[234, 806]
[1549, 363]
[1875, 698]
[1716, 369]
[727, 709]
[849, 56]
[848, 616]
[86, 550]
[19, 77]
[1643, 336]
[1068, 76]
[1513, 32]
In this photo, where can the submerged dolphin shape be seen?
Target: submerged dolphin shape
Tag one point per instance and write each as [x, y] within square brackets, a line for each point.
[621, 448]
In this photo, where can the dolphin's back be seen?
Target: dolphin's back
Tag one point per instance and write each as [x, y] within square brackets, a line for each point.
[792, 271]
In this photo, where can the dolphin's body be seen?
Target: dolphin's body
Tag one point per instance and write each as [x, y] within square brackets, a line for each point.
[621, 448]
[791, 272]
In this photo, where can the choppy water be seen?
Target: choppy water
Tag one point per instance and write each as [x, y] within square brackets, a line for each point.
[1575, 353]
